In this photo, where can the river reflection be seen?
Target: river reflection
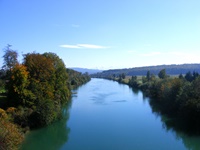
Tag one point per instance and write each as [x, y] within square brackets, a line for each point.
[181, 130]
[105, 115]
[51, 137]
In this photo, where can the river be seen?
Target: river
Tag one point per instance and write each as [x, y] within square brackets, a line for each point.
[106, 115]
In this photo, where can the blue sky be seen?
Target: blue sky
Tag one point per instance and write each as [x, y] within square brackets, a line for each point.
[104, 34]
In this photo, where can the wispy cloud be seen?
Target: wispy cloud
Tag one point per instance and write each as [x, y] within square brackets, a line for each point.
[69, 46]
[89, 46]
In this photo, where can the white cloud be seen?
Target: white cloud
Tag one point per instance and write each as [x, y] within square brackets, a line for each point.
[69, 46]
[89, 46]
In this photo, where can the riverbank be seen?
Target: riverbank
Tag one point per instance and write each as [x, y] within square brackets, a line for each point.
[108, 115]
[175, 97]
[12, 133]
[34, 93]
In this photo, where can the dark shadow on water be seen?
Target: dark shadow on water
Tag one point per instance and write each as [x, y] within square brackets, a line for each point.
[52, 137]
[135, 91]
[186, 132]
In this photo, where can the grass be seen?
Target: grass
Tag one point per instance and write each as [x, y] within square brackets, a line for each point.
[139, 78]
[2, 91]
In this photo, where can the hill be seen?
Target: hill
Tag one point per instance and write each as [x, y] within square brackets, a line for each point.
[141, 71]
[84, 70]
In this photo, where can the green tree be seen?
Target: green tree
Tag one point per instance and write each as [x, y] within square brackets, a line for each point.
[195, 75]
[153, 77]
[189, 102]
[133, 82]
[181, 76]
[10, 58]
[162, 74]
[61, 84]
[123, 75]
[148, 75]
[189, 76]
[18, 94]
[40, 86]
[76, 79]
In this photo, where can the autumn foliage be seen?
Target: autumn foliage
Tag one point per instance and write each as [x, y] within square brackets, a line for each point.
[10, 134]
[38, 88]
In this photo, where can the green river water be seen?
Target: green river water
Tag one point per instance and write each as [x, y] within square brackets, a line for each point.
[106, 115]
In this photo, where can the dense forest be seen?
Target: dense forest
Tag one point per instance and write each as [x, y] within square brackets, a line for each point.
[32, 93]
[77, 78]
[177, 97]
[141, 71]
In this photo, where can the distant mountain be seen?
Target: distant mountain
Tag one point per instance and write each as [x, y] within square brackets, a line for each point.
[89, 71]
[142, 71]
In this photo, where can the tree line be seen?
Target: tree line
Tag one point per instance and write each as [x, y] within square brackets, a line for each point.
[177, 97]
[32, 93]
[77, 78]
[141, 71]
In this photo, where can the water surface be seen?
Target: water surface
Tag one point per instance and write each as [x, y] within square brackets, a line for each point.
[106, 115]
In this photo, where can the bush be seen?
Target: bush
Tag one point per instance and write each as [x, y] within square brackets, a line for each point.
[10, 134]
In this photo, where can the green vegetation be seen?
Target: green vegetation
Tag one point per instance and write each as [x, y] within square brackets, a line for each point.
[38, 88]
[76, 78]
[142, 71]
[32, 93]
[10, 134]
[177, 97]
[162, 74]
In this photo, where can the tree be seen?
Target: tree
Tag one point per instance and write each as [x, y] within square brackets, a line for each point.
[189, 102]
[133, 82]
[10, 58]
[123, 75]
[162, 74]
[17, 86]
[148, 75]
[40, 86]
[42, 79]
[76, 78]
[153, 77]
[195, 75]
[61, 86]
[181, 76]
[189, 76]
